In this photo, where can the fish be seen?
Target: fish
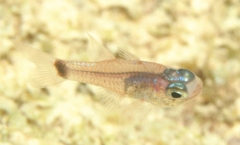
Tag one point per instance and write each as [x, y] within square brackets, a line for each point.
[127, 76]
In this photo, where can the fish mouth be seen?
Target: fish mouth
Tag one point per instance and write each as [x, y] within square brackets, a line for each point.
[198, 88]
[195, 88]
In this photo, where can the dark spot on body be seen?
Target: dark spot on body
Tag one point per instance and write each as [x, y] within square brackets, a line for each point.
[61, 68]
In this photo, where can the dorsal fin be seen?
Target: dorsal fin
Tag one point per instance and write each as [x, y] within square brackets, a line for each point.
[126, 55]
[98, 52]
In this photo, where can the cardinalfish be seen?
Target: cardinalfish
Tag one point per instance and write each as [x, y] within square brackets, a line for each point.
[127, 76]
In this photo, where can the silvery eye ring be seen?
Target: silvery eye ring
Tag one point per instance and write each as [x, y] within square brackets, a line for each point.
[177, 90]
[186, 75]
[182, 75]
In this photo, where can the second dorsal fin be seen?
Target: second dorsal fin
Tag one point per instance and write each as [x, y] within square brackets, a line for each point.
[98, 52]
[126, 55]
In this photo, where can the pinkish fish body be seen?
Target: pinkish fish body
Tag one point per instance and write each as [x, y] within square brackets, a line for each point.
[144, 81]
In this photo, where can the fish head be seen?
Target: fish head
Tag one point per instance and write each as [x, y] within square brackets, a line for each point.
[179, 86]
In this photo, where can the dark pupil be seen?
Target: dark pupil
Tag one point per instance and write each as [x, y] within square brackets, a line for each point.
[176, 95]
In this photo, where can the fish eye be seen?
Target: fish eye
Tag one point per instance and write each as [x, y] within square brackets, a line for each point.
[177, 90]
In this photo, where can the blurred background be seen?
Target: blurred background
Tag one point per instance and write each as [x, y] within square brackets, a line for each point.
[200, 35]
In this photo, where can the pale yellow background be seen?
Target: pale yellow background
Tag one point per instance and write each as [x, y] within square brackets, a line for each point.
[201, 35]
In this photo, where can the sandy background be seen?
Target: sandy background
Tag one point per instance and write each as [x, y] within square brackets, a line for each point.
[201, 35]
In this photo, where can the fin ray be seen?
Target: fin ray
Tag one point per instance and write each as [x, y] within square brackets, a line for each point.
[45, 73]
[109, 99]
[98, 52]
[136, 110]
[127, 55]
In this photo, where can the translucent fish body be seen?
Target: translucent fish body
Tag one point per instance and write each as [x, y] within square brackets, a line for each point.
[145, 81]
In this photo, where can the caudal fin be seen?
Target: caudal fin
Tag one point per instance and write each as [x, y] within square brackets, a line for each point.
[45, 74]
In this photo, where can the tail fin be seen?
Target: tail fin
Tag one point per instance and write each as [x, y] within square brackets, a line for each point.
[45, 74]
